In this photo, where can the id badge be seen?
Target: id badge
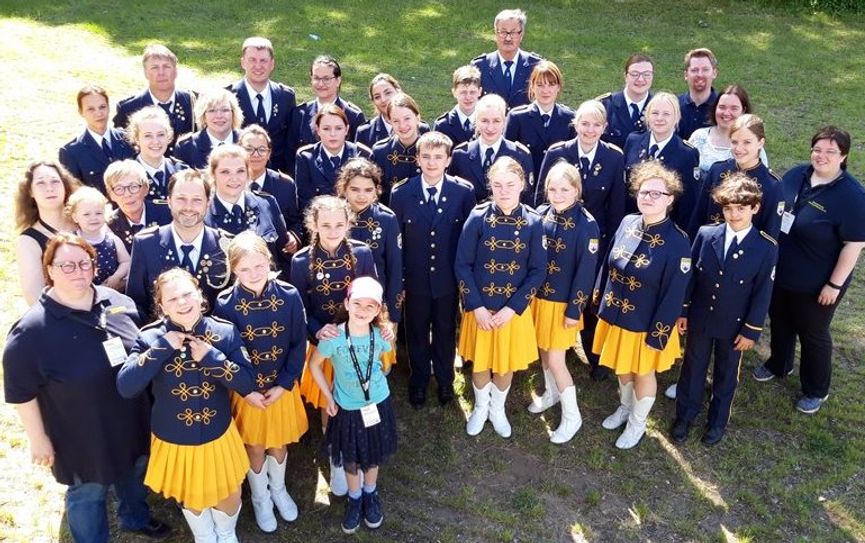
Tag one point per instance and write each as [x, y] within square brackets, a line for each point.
[115, 351]
[787, 222]
[370, 415]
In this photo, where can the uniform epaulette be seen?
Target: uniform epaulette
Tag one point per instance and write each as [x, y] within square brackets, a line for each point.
[221, 320]
[604, 96]
[480, 57]
[185, 137]
[148, 230]
[399, 183]
[306, 147]
[364, 147]
[533, 54]
[770, 238]
[684, 234]
[557, 145]
[774, 175]
[462, 145]
[149, 325]
[352, 105]
[530, 209]
[464, 182]
[522, 147]
[126, 100]
[384, 142]
[285, 87]
[355, 243]
[612, 146]
[688, 144]
[442, 117]
[520, 109]
[589, 217]
[483, 205]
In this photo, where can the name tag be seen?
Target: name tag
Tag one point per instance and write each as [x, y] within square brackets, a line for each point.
[370, 415]
[115, 351]
[787, 222]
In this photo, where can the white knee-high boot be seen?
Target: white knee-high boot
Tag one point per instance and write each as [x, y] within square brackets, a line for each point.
[550, 396]
[636, 427]
[621, 414]
[571, 419]
[481, 411]
[225, 525]
[497, 411]
[276, 477]
[262, 505]
[201, 525]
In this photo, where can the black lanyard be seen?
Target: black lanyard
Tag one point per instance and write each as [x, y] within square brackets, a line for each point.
[364, 381]
[48, 227]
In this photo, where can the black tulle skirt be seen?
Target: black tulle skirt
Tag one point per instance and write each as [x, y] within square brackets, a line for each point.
[354, 447]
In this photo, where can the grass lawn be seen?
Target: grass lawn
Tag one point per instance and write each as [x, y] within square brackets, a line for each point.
[778, 475]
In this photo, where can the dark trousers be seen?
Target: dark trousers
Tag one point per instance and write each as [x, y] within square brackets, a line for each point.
[587, 336]
[692, 380]
[431, 331]
[797, 314]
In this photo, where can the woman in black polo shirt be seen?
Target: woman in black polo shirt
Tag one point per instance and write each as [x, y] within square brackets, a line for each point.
[76, 422]
[822, 234]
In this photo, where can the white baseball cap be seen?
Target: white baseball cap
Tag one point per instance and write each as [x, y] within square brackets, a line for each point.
[365, 287]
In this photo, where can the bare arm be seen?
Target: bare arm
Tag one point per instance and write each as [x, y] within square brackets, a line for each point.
[117, 281]
[29, 269]
[41, 450]
[843, 268]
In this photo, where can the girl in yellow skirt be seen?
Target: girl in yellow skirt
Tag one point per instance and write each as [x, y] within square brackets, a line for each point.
[322, 272]
[359, 182]
[269, 315]
[500, 264]
[571, 235]
[644, 280]
[190, 361]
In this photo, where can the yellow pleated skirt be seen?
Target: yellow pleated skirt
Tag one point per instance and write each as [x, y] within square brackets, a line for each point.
[550, 331]
[197, 476]
[279, 424]
[626, 352]
[388, 359]
[308, 387]
[509, 348]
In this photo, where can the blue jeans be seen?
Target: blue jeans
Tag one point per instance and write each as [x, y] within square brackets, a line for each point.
[86, 510]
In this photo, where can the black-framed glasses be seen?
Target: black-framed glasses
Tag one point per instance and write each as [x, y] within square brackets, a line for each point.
[120, 190]
[653, 194]
[69, 267]
[325, 80]
[637, 75]
[260, 151]
[509, 33]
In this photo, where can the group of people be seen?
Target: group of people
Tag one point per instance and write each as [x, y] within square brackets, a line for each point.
[221, 258]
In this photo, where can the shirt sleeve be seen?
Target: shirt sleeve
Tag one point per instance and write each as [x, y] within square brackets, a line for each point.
[22, 375]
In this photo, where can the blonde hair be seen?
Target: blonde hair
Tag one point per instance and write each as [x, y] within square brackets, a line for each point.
[149, 113]
[229, 150]
[213, 98]
[564, 170]
[668, 98]
[594, 109]
[244, 244]
[506, 164]
[86, 195]
[125, 168]
[172, 275]
[310, 222]
[653, 169]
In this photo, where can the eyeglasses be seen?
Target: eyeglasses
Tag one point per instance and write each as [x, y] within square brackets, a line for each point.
[826, 152]
[325, 80]
[120, 190]
[223, 110]
[69, 267]
[653, 194]
[638, 75]
[260, 151]
[509, 33]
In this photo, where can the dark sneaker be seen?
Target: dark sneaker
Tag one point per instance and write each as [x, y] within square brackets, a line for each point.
[809, 405]
[353, 511]
[372, 514]
[713, 436]
[763, 374]
[679, 431]
[154, 530]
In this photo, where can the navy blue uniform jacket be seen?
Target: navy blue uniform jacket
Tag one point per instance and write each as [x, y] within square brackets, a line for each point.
[85, 159]
[182, 115]
[619, 123]
[526, 126]
[314, 174]
[155, 214]
[302, 126]
[283, 102]
[468, 163]
[449, 124]
[493, 79]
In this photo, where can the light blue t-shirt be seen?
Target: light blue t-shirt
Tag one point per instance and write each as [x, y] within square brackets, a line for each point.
[347, 391]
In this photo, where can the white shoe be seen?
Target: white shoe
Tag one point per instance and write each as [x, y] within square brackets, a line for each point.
[262, 505]
[550, 396]
[571, 419]
[481, 411]
[225, 525]
[636, 427]
[281, 499]
[338, 482]
[497, 412]
[621, 414]
[670, 393]
[201, 525]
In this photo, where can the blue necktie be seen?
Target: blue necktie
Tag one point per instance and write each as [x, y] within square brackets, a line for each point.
[335, 161]
[160, 181]
[635, 113]
[509, 74]
[467, 126]
[186, 262]
[653, 150]
[166, 107]
[488, 160]
[546, 119]
[237, 215]
[584, 167]
[431, 199]
[731, 251]
[106, 148]
[259, 112]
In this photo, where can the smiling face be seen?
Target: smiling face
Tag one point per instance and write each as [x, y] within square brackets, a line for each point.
[188, 204]
[324, 83]
[257, 64]
[561, 193]
[360, 193]
[739, 216]
[728, 109]
[230, 177]
[745, 147]
[160, 73]
[47, 188]
[259, 152]
[638, 80]
[662, 119]
[90, 217]
[405, 124]
[181, 301]
[152, 141]
[331, 225]
[381, 94]
[653, 209]
[362, 310]
[509, 36]
[129, 202]
[94, 110]
[467, 96]
[490, 123]
[77, 282]
[332, 131]
[219, 120]
[589, 130]
[433, 162]
[826, 158]
[252, 270]
[700, 74]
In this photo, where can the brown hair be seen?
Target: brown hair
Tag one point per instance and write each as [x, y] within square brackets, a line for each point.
[435, 140]
[26, 212]
[87, 90]
[738, 188]
[752, 123]
[384, 78]
[358, 167]
[637, 57]
[467, 75]
[257, 42]
[192, 175]
[330, 109]
[168, 276]
[255, 130]
[158, 51]
[402, 99]
[55, 242]
[840, 137]
[547, 72]
[700, 52]
[739, 92]
[310, 220]
[653, 169]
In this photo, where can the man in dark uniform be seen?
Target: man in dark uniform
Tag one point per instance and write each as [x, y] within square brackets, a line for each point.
[160, 69]
[264, 102]
[458, 123]
[701, 70]
[506, 70]
[185, 243]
